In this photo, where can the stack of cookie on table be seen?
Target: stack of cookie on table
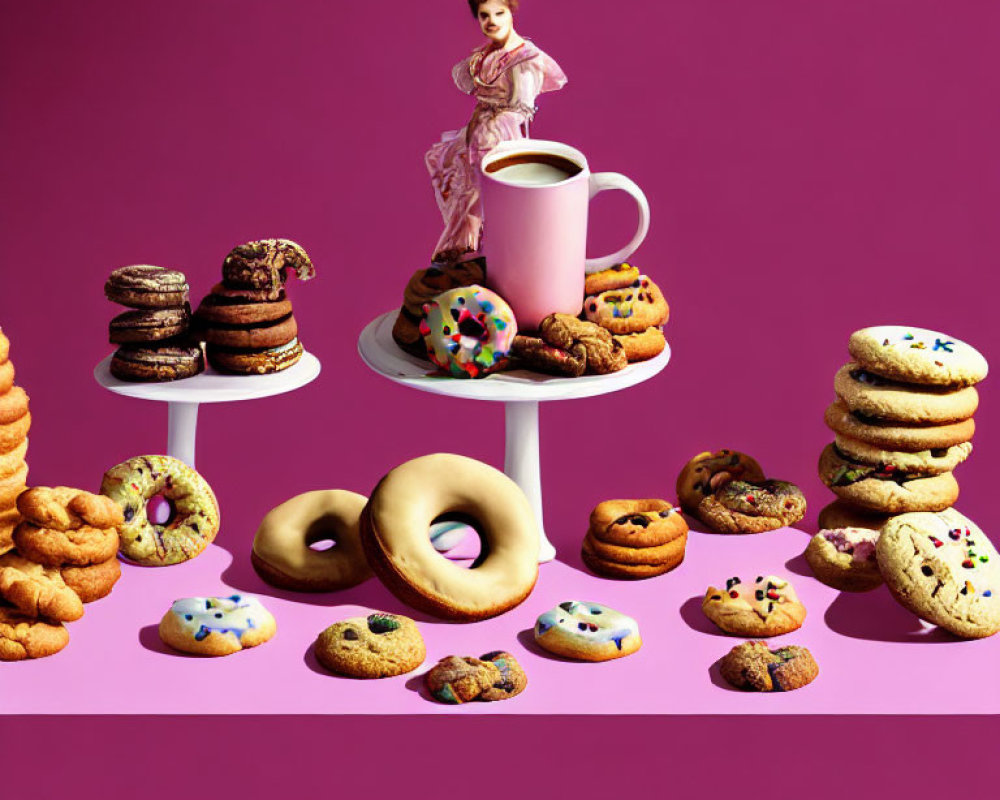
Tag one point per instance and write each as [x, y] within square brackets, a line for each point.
[15, 420]
[634, 539]
[65, 556]
[246, 320]
[153, 339]
[903, 420]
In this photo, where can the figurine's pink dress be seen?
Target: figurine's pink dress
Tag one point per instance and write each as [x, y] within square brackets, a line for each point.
[505, 85]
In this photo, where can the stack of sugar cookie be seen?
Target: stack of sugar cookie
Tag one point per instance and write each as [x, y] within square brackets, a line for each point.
[152, 337]
[247, 319]
[630, 306]
[902, 422]
[64, 557]
[634, 539]
[14, 423]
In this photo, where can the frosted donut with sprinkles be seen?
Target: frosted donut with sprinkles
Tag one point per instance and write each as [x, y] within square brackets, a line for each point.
[587, 631]
[468, 331]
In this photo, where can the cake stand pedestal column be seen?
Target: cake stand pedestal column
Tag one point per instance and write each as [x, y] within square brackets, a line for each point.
[522, 464]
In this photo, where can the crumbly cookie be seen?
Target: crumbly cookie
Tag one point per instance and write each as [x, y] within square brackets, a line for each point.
[844, 558]
[944, 569]
[254, 362]
[753, 666]
[9, 519]
[864, 391]
[64, 508]
[917, 355]
[4, 347]
[6, 376]
[884, 488]
[36, 590]
[839, 514]
[13, 485]
[156, 363]
[766, 607]
[216, 626]
[635, 308]
[531, 352]
[145, 286]
[587, 631]
[617, 277]
[13, 405]
[377, 646]
[94, 582]
[565, 332]
[78, 547]
[512, 676]
[264, 264]
[922, 462]
[14, 434]
[13, 460]
[896, 435]
[744, 507]
[637, 523]
[256, 336]
[455, 679]
[23, 636]
[149, 325]
[642, 346]
[707, 471]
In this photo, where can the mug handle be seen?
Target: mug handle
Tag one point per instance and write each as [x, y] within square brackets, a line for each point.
[600, 181]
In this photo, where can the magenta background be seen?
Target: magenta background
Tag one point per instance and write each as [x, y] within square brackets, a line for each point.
[811, 168]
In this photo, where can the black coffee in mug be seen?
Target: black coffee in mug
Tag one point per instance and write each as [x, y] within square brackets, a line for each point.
[533, 169]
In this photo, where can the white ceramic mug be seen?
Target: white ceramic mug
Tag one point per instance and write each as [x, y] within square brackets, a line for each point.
[536, 195]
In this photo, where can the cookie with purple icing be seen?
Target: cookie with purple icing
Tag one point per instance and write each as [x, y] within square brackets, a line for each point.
[844, 558]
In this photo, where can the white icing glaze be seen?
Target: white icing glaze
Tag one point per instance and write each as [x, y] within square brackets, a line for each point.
[587, 623]
[236, 614]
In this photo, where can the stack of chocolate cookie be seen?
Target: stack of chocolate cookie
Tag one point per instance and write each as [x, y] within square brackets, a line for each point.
[634, 539]
[14, 424]
[64, 557]
[153, 339]
[247, 319]
[903, 421]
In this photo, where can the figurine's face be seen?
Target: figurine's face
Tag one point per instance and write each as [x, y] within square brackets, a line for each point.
[495, 20]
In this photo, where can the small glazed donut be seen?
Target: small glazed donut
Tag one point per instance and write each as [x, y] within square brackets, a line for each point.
[468, 331]
[281, 554]
[194, 519]
[394, 528]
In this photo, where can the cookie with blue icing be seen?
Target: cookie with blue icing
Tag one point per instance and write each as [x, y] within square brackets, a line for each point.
[216, 626]
[587, 631]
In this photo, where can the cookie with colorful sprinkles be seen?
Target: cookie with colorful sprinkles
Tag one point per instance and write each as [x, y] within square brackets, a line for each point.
[917, 355]
[766, 607]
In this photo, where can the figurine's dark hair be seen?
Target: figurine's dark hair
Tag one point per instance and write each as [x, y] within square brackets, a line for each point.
[474, 6]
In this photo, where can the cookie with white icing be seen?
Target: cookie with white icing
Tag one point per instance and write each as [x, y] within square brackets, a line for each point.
[944, 569]
[587, 631]
[844, 558]
[216, 626]
[766, 607]
[917, 355]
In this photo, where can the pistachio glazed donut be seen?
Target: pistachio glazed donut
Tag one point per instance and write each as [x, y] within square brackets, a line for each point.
[194, 517]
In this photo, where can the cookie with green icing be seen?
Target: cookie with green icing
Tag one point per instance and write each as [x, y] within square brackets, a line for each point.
[917, 355]
[377, 646]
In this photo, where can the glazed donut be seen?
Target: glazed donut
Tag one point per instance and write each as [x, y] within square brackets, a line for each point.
[402, 507]
[468, 331]
[281, 554]
[194, 518]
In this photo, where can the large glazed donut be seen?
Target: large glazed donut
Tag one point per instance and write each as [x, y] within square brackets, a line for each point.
[394, 528]
[194, 518]
[281, 553]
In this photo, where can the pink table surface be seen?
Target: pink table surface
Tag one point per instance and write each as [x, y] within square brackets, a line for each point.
[874, 656]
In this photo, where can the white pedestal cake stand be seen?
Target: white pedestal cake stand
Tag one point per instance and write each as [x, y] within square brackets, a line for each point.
[184, 396]
[519, 390]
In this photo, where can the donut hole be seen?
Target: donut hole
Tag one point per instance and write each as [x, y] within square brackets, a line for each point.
[321, 534]
[160, 510]
[457, 538]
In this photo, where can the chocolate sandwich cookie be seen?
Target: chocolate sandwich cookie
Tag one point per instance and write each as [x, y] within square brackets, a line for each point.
[883, 487]
[910, 438]
[917, 355]
[254, 362]
[219, 308]
[252, 337]
[223, 289]
[264, 264]
[149, 325]
[922, 462]
[144, 286]
[868, 393]
[156, 364]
